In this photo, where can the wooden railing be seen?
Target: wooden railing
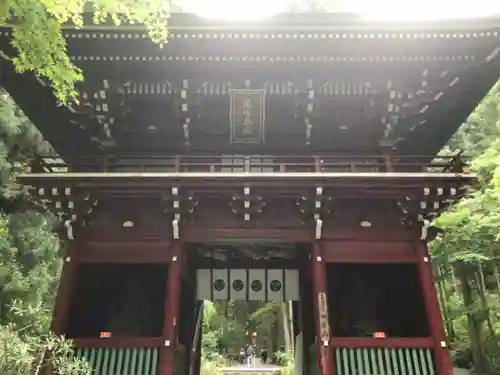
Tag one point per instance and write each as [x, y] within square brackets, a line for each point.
[118, 356]
[253, 163]
[379, 361]
[118, 361]
[359, 356]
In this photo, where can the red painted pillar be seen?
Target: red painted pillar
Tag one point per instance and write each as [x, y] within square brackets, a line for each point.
[321, 316]
[307, 317]
[60, 314]
[442, 354]
[172, 303]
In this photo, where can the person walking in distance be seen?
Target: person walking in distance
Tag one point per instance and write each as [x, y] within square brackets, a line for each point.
[250, 354]
[263, 355]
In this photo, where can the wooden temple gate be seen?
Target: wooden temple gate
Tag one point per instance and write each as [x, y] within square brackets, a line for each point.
[303, 143]
[324, 213]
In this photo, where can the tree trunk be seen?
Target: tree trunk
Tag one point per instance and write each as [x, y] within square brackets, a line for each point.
[481, 286]
[497, 275]
[454, 279]
[474, 327]
[274, 337]
[286, 325]
[291, 319]
[443, 297]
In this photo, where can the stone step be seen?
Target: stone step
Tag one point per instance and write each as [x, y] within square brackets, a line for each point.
[253, 369]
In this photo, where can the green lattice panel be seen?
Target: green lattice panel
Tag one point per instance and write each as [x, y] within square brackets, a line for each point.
[129, 361]
[371, 361]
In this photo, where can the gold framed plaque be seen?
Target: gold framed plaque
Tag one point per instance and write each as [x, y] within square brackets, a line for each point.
[247, 116]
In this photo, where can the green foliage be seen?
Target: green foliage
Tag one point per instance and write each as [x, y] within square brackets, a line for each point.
[229, 325]
[213, 365]
[482, 128]
[469, 249]
[29, 261]
[29, 265]
[287, 361]
[37, 33]
[21, 355]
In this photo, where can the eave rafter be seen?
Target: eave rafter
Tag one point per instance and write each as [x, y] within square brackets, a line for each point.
[316, 208]
[69, 204]
[421, 196]
[185, 116]
[248, 204]
[218, 33]
[180, 205]
[309, 112]
[397, 102]
[428, 204]
[98, 108]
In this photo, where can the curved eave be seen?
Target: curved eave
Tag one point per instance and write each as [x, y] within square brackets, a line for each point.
[55, 122]
[434, 135]
[332, 21]
[308, 22]
[41, 107]
[215, 178]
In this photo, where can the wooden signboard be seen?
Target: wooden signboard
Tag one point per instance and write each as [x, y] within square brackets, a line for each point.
[323, 317]
[247, 114]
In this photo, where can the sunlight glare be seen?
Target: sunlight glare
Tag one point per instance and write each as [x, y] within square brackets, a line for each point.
[422, 10]
[383, 10]
[236, 10]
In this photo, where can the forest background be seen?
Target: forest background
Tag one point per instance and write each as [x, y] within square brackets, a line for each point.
[466, 255]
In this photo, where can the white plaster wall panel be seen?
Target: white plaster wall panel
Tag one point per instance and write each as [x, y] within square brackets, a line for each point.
[220, 289]
[238, 288]
[257, 285]
[274, 285]
[204, 286]
[292, 285]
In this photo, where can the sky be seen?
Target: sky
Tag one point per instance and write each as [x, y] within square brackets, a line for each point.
[388, 10]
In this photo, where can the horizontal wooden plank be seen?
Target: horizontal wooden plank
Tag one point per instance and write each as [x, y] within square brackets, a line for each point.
[131, 342]
[391, 342]
[162, 235]
[316, 176]
[369, 252]
[124, 252]
[369, 234]
[191, 234]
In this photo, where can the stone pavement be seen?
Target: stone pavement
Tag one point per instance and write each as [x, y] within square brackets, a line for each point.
[254, 369]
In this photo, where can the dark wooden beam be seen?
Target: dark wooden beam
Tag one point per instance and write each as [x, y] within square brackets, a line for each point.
[159, 235]
[357, 251]
[257, 179]
[118, 342]
[390, 342]
[120, 251]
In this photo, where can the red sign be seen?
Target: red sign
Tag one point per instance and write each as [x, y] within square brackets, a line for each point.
[105, 335]
[379, 335]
